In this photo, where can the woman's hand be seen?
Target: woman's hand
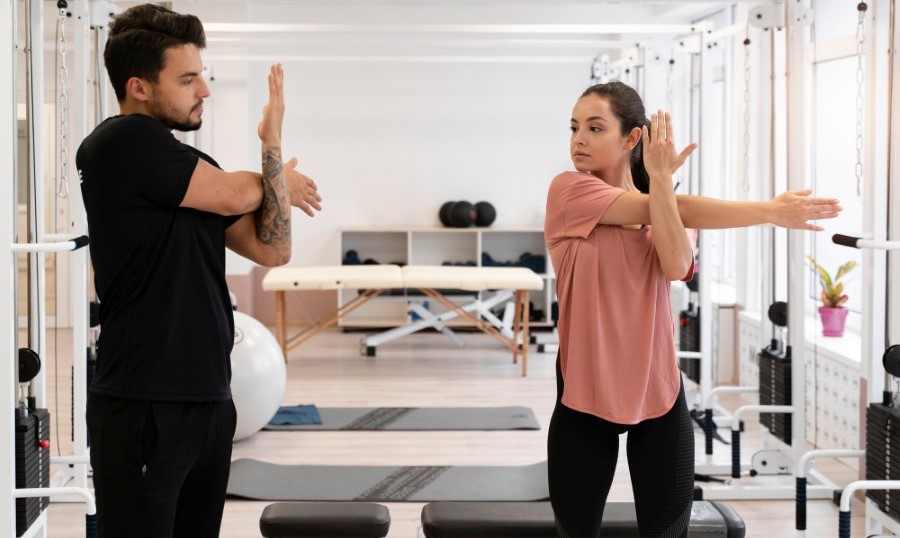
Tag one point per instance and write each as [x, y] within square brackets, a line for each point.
[660, 157]
[794, 209]
[304, 192]
[269, 129]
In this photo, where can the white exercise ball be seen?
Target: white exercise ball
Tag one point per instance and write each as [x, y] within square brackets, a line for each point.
[258, 375]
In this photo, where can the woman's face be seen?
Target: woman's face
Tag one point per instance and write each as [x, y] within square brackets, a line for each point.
[597, 143]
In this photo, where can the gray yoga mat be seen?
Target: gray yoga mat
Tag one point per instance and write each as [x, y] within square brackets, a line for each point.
[419, 418]
[253, 479]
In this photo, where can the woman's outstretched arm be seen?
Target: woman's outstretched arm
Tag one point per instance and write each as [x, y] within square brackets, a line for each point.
[792, 209]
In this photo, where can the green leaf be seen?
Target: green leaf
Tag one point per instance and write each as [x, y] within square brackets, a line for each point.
[824, 277]
[844, 269]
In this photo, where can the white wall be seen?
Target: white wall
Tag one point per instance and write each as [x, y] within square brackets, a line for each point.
[389, 142]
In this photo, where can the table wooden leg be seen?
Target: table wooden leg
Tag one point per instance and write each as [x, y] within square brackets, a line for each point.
[525, 317]
[517, 323]
[280, 326]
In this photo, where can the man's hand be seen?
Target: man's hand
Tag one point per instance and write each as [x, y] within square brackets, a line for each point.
[269, 129]
[304, 193]
[794, 209]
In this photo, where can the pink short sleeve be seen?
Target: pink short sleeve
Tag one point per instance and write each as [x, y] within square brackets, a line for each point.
[575, 203]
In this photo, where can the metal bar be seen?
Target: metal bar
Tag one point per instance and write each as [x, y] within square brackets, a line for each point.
[78, 277]
[736, 417]
[8, 273]
[473, 59]
[796, 88]
[397, 332]
[705, 254]
[34, 43]
[594, 29]
[807, 458]
[857, 242]
[69, 491]
[481, 325]
[709, 399]
[890, 150]
[60, 246]
[426, 314]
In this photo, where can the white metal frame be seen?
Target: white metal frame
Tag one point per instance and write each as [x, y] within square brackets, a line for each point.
[480, 305]
[796, 17]
[8, 316]
[38, 244]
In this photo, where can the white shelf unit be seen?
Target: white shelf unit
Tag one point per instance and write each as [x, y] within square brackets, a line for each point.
[435, 246]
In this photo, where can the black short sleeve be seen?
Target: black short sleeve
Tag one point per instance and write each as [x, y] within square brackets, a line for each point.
[158, 166]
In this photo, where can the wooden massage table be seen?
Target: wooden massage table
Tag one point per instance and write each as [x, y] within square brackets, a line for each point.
[490, 287]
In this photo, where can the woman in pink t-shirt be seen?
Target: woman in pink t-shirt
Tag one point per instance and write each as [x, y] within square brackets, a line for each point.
[616, 234]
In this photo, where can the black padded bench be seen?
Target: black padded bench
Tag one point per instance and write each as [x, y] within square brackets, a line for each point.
[709, 519]
[325, 520]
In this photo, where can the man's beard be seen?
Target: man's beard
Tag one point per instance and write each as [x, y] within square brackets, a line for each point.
[181, 126]
[168, 119]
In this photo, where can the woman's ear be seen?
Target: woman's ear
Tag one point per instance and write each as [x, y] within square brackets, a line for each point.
[633, 138]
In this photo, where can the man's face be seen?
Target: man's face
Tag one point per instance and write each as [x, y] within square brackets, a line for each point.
[176, 99]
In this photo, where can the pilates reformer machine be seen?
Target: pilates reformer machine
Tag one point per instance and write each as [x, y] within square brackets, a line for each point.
[499, 286]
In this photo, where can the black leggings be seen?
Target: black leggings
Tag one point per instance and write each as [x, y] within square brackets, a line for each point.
[582, 450]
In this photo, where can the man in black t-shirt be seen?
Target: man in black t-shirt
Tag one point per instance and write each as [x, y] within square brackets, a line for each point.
[160, 215]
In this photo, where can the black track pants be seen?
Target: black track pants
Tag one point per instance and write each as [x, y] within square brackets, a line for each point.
[582, 452]
[160, 468]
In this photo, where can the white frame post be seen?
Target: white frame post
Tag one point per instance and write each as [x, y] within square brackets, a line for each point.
[8, 315]
[796, 75]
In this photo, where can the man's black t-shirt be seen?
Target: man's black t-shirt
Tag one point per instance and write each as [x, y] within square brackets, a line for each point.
[159, 270]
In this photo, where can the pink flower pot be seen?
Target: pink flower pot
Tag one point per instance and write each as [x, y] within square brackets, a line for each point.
[833, 320]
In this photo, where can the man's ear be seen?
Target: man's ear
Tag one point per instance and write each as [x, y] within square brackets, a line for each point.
[138, 89]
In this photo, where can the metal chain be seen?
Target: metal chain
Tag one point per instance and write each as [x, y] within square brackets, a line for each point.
[63, 102]
[747, 109]
[596, 71]
[860, 79]
[670, 84]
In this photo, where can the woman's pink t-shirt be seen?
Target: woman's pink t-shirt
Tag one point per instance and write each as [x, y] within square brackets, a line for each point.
[616, 335]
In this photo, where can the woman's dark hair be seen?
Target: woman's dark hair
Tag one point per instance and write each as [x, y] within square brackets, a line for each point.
[138, 39]
[626, 104]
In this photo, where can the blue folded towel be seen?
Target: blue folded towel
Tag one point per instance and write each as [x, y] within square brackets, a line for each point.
[296, 414]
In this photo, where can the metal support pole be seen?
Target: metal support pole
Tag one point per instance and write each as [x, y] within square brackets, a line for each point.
[8, 315]
[35, 133]
[705, 284]
[77, 225]
[796, 85]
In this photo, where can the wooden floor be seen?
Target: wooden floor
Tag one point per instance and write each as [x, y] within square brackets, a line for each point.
[424, 370]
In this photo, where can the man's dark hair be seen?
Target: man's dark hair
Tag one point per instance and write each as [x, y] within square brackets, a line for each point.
[138, 39]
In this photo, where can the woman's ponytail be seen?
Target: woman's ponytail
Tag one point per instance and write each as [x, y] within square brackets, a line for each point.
[639, 175]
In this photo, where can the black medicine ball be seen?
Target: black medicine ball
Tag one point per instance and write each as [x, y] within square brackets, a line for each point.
[462, 214]
[485, 214]
[444, 213]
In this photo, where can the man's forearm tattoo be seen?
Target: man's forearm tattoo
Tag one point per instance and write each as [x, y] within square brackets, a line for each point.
[273, 218]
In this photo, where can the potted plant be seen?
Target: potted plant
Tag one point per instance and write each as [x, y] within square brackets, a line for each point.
[832, 313]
